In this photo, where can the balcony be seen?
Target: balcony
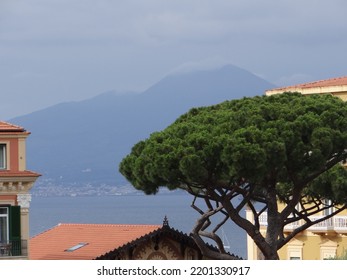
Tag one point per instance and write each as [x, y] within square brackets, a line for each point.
[15, 249]
[287, 228]
[337, 224]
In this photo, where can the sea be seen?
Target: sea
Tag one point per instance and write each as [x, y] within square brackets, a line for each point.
[47, 212]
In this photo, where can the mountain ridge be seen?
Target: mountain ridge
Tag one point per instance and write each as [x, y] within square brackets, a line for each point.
[83, 141]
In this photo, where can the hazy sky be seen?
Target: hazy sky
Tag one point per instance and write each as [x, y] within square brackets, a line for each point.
[62, 50]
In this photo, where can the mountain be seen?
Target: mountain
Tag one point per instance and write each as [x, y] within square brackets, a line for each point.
[83, 142]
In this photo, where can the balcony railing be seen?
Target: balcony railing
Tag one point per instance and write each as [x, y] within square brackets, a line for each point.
[14, 248]
[336, 223]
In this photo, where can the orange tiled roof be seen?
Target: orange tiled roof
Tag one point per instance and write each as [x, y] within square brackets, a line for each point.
[340, 81]
[8, 127]
[25, 173]
[100, 238]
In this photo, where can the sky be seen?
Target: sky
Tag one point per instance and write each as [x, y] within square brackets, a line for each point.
[54, 51]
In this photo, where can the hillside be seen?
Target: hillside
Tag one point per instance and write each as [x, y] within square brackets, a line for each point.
[83, 142]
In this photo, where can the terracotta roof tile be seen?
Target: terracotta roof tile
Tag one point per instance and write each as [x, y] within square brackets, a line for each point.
[100, 238]
[8, 127]
[339, 81]
[25, 173]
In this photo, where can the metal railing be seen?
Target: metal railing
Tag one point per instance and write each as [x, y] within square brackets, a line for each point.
[14, 248]
[336, 223]
[263, 222]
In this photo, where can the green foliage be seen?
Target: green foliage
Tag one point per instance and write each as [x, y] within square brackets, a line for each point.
[283, 138]
[341, 257]
[252, 150]
[332, 185]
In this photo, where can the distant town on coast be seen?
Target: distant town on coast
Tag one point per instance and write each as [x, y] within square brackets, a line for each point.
[46, 188]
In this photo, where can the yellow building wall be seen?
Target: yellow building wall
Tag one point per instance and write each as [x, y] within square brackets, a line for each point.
[342, 95]
[308, 245]
[317, 247]
[314, 243]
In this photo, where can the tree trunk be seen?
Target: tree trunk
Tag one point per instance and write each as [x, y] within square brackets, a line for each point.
[269, 252]
[274, 225]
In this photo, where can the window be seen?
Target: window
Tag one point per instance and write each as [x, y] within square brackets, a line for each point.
[4, 225]
[2, 156]
[294, 249]
[328, 249]
[10, 229]
[76, 247]
[328, 211]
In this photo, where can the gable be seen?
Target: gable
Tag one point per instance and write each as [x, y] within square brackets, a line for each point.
[164, 243]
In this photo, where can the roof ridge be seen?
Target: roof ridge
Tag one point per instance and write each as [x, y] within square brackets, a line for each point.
[42, 232]
[9, 126]
[163, 229]
[108, 225]
[323, 80]
[312, 83]
[91, 224]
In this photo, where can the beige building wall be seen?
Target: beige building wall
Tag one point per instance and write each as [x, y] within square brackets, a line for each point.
[338, 91]
[21, 154]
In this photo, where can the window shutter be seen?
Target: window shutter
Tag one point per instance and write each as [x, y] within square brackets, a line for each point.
[15, 230]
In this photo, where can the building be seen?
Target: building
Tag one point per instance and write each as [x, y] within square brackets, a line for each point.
[323, 240]
[83, 241]
[334, 86]
[15, 184]
[327, 239]
[113, 241]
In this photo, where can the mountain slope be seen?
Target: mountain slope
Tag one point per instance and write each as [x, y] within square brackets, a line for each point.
[83, 142]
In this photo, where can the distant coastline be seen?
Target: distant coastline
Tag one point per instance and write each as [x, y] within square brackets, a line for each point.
[47, 188]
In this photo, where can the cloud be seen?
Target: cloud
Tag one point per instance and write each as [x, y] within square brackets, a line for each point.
[294, 79]
[154, 22]
[74, 49]
[205, 64]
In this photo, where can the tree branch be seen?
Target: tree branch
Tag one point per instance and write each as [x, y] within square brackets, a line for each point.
[329, 164]
[308, 224]
[197, 232]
